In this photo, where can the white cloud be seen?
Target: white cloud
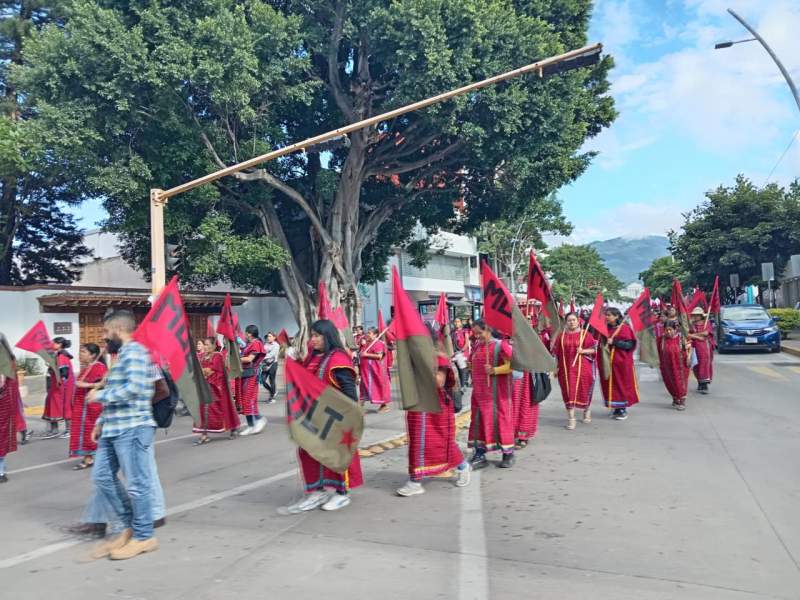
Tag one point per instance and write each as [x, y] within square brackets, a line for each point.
[632, 219]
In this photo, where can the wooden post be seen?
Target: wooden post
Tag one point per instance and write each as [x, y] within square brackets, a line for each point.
[158, 263]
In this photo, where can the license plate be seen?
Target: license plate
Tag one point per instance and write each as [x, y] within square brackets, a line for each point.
[750, 340]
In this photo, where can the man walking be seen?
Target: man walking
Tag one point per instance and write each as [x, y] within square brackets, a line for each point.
[124, 434]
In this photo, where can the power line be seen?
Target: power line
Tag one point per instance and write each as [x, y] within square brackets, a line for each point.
[788, 146]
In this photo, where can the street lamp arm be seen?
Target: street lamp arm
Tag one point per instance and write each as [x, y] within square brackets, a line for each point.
[775, 58]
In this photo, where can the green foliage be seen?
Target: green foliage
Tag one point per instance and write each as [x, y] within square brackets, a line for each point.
[789, 320]
[508, 240]
[579, 272]
[660, 275]
[736, 229]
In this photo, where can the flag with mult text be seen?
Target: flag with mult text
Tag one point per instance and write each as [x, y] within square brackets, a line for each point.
[502, 314]
[226, 327]
[38, 341]
[416, 356]
[322, 420]
[165, 333]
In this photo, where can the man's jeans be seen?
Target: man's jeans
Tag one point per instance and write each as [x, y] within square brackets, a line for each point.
[130, 451]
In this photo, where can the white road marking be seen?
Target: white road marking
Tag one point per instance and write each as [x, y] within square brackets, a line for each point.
[73, 459]
[181, 508]
[473, 567]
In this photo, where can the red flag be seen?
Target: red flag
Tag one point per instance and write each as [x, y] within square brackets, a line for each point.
[714, 304]
[502, 314]
[226, 326]
[282, 338]
[416, 356]
[165, 333]
[640, 313]
[325, 311]
[597, 320]
[698, 299]
[441, 311]
[677, 298]
[572, 305]
[442, 319]
[36, 340]
[389, 335]
[340, 319]
[322, 420]
[210, 328]
[539, 289]
[560, 309]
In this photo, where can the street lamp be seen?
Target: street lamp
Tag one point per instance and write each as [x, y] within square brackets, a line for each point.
[759, 39]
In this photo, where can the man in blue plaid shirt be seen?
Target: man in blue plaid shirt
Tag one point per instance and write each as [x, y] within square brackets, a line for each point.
[124, 435]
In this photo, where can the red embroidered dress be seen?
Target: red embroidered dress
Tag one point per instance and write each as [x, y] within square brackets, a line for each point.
[674, 365]
[576, 378]
[220, 415]
[492, 426]
[247, 387]
[85, 414]
[621, 389]
[60, 391]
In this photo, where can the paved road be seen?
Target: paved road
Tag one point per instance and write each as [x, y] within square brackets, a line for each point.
[701, 504]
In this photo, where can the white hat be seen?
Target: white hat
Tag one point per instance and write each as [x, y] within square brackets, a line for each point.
[697, 310]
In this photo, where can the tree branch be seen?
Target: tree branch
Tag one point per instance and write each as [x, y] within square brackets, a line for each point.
[399, 167]
[334, 81]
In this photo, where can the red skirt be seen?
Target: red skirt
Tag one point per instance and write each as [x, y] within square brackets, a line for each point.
[432, 447]
[493, 417]
[84, 417]
[247, 396]
[8, 417]
[219, 416]
[704, 369]
[527, 414]
[316, 476]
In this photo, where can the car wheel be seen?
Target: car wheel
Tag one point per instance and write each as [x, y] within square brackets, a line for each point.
[721, 350]
[775, 349]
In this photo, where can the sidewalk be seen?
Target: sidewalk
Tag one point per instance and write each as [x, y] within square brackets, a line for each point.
[791, 346]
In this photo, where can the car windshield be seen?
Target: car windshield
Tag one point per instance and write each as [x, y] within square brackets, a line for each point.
[744, 313]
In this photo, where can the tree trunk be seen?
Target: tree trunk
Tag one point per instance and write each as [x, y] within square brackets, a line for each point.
[8, 228]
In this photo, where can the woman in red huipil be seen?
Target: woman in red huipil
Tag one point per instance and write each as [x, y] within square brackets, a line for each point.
[617, 374]
[219, 416]
[9, 401]
[701, 334]
[329, 361]
[60, 390]
[574, 350]
[85, 414]
[432, 448]
[374, 386]
[252, 355]
[492, 426]
[674, 357]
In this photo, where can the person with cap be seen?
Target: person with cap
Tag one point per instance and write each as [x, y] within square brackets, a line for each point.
[701, 334]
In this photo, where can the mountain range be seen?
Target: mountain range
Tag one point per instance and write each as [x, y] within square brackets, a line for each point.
[627, 257]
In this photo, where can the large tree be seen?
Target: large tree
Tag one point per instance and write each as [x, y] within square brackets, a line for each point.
[171, 90]
[39, 240]
[507, 241]
[658, 277]
[579, 272]
[736, 229]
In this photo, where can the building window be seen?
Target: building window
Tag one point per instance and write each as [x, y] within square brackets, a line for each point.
[452, 268]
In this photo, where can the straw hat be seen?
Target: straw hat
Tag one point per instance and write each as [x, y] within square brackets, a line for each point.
[698, 311]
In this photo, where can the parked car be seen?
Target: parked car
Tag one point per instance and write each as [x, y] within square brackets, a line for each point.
[747, 326]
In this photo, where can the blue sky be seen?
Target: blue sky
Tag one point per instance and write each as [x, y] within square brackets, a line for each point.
[691, 118]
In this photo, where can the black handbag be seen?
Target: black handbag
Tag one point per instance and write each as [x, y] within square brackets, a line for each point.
[541, 387]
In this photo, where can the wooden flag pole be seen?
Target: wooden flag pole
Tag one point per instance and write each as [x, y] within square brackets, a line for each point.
[158, 198]
[380, 335]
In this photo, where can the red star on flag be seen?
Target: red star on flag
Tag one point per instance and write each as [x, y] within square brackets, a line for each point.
[347, 438]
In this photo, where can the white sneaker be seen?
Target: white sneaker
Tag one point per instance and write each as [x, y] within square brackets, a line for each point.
[246, 431]
[310, 502]
[261, 422]
[411, 488]
[464, 476]
[336, 502]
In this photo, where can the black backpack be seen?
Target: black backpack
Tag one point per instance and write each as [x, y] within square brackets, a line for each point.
[541, 387]
[164, 409]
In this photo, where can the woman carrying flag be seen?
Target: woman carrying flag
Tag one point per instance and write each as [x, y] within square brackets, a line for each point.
[575, 350]
[673, 354]
[219, 416]
[492, 426]
[85, 414]
[252, 355]
[375, 386]
[617, 374]
[432, 448]
[329, 361]
[60, 390]
[701, 334]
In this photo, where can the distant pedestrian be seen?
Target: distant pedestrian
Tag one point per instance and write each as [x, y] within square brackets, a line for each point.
[375, 384]
[461, 348]
[60, 390]
[220, 416]
[575, 351]
[617, 374]
[269, 367]
[85, 414]
[124, 434]
[252, 355]
[674, 356]
[701, 334]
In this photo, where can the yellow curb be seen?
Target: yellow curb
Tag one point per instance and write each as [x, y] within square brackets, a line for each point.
[387, 445]
[364, 453]
[376, 450]
[34, 411]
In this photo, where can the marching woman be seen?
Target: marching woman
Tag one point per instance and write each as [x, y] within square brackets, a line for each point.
[462, 351]
[375, 386]
[60, 390]
[252, 355]
[526, 412]
[674, 357]
[9, 400]
[85, 414]
[219, 416]
[617, 374]
[329, 361]
[701, 333]
[575, 349]
[432, 448]
[492, 426]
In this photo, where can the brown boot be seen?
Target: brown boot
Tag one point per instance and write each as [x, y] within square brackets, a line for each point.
[103, 549]
[135, 548]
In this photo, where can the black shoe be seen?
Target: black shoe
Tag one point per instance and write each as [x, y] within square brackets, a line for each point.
[621, 415]
[3, 478]
[478, 462]
[159, 522]
[96, 530]
[507, 462]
